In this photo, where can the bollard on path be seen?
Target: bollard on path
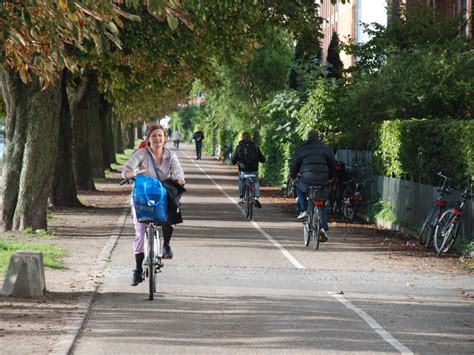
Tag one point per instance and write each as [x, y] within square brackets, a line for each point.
[25, 275]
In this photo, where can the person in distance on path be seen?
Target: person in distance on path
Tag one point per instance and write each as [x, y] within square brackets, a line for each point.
[198, 137]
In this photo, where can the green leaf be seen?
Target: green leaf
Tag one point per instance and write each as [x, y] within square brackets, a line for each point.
[172, 22]
[71, 6]
[156, 7]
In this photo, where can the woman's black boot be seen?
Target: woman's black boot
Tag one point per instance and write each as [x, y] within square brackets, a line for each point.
[137, 273]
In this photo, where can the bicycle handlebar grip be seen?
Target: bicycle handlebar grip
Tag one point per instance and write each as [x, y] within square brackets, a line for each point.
[126, 181]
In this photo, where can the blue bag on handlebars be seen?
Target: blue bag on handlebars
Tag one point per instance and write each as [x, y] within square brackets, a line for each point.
[150, 199]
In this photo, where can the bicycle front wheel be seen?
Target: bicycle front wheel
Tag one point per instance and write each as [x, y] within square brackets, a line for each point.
[151, 262]
[445, 233]
[315, 227]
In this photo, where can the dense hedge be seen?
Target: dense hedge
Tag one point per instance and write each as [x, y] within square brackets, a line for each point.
[418, 148]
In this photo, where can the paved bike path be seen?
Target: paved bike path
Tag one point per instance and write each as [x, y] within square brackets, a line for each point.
[237, 286]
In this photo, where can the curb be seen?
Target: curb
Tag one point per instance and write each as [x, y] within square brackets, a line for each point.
[76, 321]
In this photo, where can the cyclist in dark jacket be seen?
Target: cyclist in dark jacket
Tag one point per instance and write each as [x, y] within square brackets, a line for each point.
[248, 155]
[315, 163]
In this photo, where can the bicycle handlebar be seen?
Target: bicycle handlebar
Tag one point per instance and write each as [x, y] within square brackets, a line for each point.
[440, 174]
[126, 181]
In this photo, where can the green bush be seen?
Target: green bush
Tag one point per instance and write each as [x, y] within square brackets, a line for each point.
[419, 148]
[279, 137]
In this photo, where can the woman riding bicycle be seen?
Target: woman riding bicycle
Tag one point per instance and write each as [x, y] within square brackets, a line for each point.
[155, 159]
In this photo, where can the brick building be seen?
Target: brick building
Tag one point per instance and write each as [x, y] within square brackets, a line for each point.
[346, 19]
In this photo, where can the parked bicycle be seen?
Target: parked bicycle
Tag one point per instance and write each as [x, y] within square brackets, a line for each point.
[312, 222]
[449, 224]
[153, 250]
[249, 194]
[353, 199]
[337, 188]
[429, 226]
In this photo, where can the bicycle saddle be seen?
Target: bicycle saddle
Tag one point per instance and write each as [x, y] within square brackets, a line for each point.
[151, 220]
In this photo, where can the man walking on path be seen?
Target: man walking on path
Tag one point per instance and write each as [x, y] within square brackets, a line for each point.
[198, 137]
[316, 164]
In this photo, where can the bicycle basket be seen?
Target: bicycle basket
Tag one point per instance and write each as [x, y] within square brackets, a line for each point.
[150, 199]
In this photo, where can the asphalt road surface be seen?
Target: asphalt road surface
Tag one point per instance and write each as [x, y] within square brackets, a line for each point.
[236, 286]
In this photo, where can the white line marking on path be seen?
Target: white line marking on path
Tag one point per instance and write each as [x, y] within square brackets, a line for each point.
[368, 319]
[276, 244]
[373, 324]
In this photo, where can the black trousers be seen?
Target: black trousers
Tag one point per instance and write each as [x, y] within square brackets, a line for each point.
[167, 232]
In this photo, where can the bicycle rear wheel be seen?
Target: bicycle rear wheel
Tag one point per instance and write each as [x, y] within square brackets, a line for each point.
[427, 230]
[151, 262]
[315, 227]
[249, 203]
[307, 230]
[348, 212]
[445, 233]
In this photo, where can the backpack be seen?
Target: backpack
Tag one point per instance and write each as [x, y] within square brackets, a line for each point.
[249, 154]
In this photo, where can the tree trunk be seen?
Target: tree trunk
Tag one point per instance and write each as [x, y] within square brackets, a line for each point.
[64, 192]
[78, 96]
[129, 136]
[32, 122]
[95, 131]
[139, 131]
[118, 137]
[110, 136]
[105, 126]
[15, 95]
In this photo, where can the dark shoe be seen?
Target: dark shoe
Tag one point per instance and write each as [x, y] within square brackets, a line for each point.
[167, 252]
[257, 203]
[323, 237]
[136, 277]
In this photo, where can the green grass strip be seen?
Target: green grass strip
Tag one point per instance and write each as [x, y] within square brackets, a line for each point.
[51, 253]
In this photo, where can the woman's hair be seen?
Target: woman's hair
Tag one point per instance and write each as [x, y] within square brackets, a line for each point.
[151, 128]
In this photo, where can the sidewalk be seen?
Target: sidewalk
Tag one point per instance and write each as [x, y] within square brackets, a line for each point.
[88, 234]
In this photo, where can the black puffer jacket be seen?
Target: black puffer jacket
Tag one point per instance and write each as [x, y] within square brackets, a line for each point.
[314, 161]
[244, 163]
